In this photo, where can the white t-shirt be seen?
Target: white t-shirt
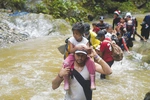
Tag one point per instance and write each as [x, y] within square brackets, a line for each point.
[108, 35]
[75, 42]
[76, 91]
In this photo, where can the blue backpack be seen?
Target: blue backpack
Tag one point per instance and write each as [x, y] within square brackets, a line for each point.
[147, 19]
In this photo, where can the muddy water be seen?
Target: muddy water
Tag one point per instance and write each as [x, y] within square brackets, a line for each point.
[27, 69]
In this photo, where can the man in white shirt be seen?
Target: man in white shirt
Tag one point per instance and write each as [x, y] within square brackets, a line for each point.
[80, 77]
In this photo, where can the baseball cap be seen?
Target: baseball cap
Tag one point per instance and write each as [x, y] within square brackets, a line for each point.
[101, 18]
[86, 28]
[117, 12]
[128, 14]
[81, 50]
[100, 34]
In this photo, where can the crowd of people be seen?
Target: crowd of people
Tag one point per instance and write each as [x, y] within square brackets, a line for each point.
[90, 50]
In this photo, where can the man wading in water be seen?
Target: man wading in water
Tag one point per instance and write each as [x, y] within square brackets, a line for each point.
[79, 76]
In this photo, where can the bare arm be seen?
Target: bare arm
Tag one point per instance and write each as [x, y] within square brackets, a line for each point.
[125, 46]
[59, 78]
[101, 66]
[72, 48]
[101, 54]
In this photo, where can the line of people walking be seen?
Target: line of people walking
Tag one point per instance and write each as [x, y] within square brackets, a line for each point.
[91, 50]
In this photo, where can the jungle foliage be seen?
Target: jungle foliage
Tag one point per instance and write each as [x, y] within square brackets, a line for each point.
[78, 10]
[13, 4]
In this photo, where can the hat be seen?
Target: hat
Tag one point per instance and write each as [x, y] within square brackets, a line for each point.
[81, 50]
[128, 14]
[101, 18]
[86, 28]
[117, 12]
[100, 34]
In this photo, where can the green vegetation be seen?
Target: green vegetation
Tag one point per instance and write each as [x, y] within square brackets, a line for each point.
[71, 11]
[13, 4]
[148, 7]
[78, 10]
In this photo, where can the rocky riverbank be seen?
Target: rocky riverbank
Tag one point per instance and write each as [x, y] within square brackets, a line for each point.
[7, 34]
[23, 27]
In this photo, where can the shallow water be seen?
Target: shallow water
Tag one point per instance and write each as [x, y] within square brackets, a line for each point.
[27, 69]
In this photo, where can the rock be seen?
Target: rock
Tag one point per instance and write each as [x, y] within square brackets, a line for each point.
[1, 40]
[21, 28]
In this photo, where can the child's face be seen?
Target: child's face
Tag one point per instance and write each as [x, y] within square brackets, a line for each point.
[94, 26]
[122, 20]
[77, 35]
[119, 36]
[110, 30]
[128, 18]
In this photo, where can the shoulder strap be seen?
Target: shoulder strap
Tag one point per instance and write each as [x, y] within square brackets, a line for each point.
[84, 83]
[89, 38]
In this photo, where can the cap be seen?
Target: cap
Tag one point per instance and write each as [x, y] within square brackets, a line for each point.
[86, 28]
[100, 34]
[117, 12]
[128, 14]
[101, 18]
[82, 50]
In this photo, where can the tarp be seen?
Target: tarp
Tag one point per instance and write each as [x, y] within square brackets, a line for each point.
[18, 13]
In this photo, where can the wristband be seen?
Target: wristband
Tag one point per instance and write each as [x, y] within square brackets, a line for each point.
[59, 76]
[96, 56]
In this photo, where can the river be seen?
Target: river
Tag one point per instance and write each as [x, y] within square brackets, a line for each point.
[28, 68]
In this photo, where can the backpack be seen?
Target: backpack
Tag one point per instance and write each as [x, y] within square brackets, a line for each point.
[66, 49]
[117, 52]
[147, 19]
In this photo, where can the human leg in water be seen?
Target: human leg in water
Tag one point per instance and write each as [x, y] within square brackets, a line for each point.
[67, 63]
[91, 68]
[103, 76]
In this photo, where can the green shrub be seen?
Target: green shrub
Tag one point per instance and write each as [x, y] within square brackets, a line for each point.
[41, 8]
[73, 10]
[13, 4]
[148, 7]
[128, 6]
[68, 10]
